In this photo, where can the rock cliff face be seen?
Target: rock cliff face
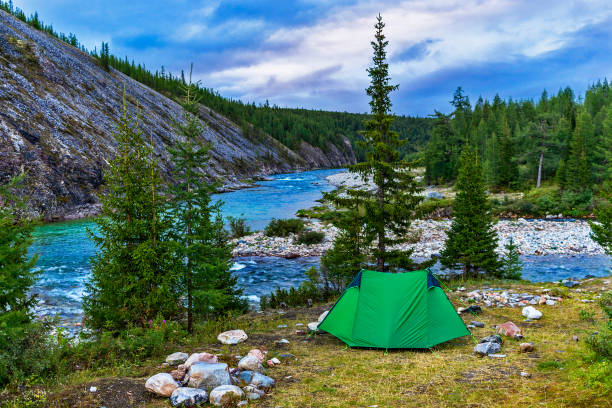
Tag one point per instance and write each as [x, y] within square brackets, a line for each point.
[58, 109]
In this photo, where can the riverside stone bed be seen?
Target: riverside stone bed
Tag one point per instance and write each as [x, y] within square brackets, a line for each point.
[534, 237]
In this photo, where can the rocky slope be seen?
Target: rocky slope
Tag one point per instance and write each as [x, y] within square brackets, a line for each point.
[57, 118]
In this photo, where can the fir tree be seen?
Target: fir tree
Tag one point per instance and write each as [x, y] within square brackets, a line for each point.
[105, 56]
[578, 176]
[390, 208]
[441, 155]
[471, 240]
[134, 274]
[507, 171]
[198, 232]
[511, 265]
[16, 268]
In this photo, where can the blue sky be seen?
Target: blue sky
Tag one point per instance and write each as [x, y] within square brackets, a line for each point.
[314, 53]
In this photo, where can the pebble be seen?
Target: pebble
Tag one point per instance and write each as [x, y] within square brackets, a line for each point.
[282, 326]
[232, 337]
[483, 349]
[531, 312]
[526, 347]
[477, 324]
[161, 384]
[188, 397]
[575, 338]
[525, 374]
[177, 358]
[497, 355]
[223, 395]
[509, 329]
[93, 389]
[494, 338]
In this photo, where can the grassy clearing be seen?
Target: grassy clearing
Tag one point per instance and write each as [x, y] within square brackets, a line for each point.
[327, 374]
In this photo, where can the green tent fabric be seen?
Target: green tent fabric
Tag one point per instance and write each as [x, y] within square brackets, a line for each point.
[394, 310]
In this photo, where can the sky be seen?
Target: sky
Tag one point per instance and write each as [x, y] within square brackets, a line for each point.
[314, 53]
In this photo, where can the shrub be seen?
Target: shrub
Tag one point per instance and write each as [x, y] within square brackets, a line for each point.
[601, 343]
[282, 228]
[238, 227]
[25, 348]
[435, 208]
[310, 237]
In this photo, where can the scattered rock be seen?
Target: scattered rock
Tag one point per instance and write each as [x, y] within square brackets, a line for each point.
[275, 361]
[477, 324]
[232, 337]
[188, 397]
[225, 395]
[471, 309]
[525, 374]
[496, 355]
[161, 384]
[200, 358]
[575, 338]
[494, 338]
[550, 302]
[287, 356]
[299, 325]
[179, 373]
[251, 396]
[570, 283]
[93, 389]
[526, 347]
[531, 312]
[508, 329]
[258, 354]
[483, 349]
[208, 376]
[242, 403]
[300, 333]
[177, 358]
[257, 379]
[284, 341]
[282, 326]
[250, 363]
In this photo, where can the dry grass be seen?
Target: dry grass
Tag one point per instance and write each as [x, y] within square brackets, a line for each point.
[327, 374]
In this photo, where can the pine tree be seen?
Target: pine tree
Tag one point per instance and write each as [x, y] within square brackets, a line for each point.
[578, 176]
[135, 272]
[16, 268]
[390, 208]
[511, 265]
[471, 240]
[507, 171]
[441, 152]
[199, 232]
[105, 56]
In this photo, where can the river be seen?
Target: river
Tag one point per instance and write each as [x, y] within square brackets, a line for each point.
[65, 249]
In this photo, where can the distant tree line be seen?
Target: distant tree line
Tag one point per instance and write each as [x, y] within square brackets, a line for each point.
[523, 144]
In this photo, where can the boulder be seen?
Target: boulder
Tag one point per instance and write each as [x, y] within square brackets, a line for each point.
[208, 376]
[188, 397]
[224, 395]
[484, 349]
[161, 384]
[250, 363]
[509, 329]
[179, 373]
[531, 312]
[232, 337]
[177, 358]
[494, 338]
[200, 358]
[526, 347]
[258, 354]
[257, 379]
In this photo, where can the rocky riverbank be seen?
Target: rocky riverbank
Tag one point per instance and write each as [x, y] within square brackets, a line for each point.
[533, 237]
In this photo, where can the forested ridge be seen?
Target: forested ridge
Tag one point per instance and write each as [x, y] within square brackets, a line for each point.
[290, 126]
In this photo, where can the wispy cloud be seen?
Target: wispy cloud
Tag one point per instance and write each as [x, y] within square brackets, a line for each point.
[314, 53]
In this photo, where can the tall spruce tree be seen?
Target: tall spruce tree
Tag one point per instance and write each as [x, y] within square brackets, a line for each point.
[471, 240]
[389, 209]
[198, 226]
[135, 272]
[578, 176]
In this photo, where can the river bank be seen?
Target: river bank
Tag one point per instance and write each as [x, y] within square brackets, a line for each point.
[532, 237]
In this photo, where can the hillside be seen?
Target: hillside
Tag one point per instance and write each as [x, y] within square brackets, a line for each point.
[57, 117]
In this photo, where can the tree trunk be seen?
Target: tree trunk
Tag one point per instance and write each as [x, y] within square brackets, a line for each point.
[540, 170]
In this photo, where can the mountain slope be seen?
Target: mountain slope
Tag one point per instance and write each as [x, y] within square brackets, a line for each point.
[57, 117]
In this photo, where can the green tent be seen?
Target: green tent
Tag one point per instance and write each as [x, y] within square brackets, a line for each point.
[394, 310]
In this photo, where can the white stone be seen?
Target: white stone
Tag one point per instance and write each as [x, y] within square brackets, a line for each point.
[161, 384]
[313, 326]
[177, 358]
[93, 389]
[323, 316]
[250, 363]
[275, 361]
[207, 376]
[201, 358]
[232, 337]
[531, 312]
[225, 394]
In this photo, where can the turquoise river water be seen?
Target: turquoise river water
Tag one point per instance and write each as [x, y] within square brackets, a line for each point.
[65, 249]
